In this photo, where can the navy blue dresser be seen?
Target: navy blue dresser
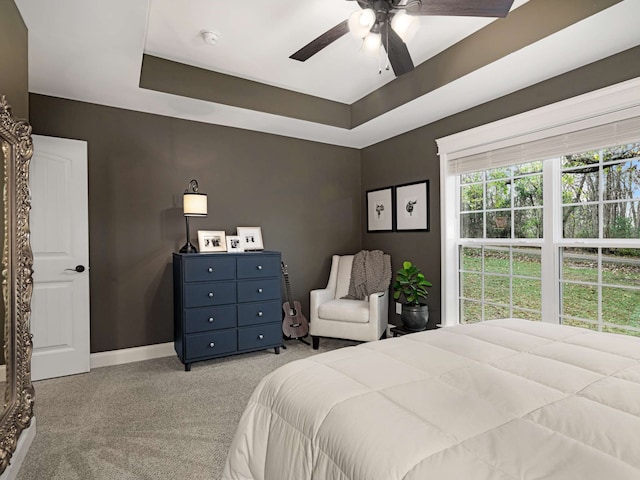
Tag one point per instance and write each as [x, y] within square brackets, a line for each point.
[226, 303]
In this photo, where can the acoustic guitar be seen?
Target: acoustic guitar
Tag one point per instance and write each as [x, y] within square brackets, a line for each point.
[294, 325]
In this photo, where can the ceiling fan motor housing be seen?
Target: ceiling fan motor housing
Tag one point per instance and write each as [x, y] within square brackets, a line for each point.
[379, 5]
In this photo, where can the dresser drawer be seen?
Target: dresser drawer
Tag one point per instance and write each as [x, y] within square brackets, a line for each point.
[207, 294]
[256, 290]
[262, 312]
[211, 318]
[259, 336]
[259, 266]
[209, 267]
[211, 343]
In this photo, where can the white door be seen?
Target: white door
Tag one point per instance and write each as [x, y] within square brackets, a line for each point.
[60, 243]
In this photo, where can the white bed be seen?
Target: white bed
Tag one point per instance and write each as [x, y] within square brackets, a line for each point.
[505, 399]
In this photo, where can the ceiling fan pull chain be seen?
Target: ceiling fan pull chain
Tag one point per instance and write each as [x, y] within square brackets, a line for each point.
[387, 49]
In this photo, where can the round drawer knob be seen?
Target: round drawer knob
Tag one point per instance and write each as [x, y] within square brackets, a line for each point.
[259, 267]
[260, 337]
[210, 319]
[259, 290]
[210, 269]
[212, 345]
[259, 314]
[210, 294]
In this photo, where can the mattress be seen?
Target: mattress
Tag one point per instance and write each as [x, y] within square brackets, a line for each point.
[503, 399]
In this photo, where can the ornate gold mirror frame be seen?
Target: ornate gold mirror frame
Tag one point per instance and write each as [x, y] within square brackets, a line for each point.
[17, 282]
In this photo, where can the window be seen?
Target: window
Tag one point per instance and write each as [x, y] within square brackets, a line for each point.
[500, 282]
[600, 289]
[601, 193]
[500, 274]
[541, 215]
[502, 203]
[501, 240]
[599, 283]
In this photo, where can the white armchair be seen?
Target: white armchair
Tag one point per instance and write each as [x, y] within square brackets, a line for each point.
[334, 316]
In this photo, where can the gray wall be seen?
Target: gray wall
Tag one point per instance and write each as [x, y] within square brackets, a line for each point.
[13, 59]
[413, 156]
[307, 197]
[304, 195]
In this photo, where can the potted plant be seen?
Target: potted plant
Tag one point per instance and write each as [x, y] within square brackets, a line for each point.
[411, 284]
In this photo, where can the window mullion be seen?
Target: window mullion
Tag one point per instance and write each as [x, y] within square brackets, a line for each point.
[600, 289]
[511, 268]
[600, 233]
[552, 229]
[600, 196]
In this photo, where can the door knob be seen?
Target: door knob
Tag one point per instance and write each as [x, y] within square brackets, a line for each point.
[79, 269]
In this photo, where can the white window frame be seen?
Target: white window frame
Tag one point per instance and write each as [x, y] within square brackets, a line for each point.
[600, 107]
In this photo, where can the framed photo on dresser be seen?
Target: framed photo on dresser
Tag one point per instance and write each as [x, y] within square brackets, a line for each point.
[234, 244]
[251, 238]
[211, 241]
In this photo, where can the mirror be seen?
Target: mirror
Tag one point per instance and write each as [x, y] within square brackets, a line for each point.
[17, 267]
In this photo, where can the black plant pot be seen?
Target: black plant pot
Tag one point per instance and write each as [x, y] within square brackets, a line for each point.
[414, 317]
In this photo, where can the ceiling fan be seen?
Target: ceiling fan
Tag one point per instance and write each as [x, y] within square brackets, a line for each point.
[391, 23]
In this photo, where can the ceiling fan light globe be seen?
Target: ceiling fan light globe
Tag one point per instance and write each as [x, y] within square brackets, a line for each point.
[371, 44]
[406, 26]
[361, 21]
[367, 17]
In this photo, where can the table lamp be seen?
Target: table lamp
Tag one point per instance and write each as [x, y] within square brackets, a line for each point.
[194, 205]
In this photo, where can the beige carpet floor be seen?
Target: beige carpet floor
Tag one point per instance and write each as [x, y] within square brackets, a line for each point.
[148, 420]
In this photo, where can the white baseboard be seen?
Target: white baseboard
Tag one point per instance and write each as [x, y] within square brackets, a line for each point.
[125, 355]
[135, 354]
[24, 442]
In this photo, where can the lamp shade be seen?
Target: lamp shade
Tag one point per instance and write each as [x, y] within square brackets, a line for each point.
[194, 204]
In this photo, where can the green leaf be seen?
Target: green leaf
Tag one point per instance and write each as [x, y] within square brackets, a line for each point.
[410, 282]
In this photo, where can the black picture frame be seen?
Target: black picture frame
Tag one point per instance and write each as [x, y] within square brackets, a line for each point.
[380, 210]
[412, 207]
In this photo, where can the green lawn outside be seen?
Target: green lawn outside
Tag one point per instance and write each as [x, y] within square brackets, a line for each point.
[621, 306]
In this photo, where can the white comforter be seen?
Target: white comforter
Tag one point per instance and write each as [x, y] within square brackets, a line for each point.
[506, 399]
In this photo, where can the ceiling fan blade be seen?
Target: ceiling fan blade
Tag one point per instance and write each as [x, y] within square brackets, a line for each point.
[397, 51]
[462, 8]
[322, 41]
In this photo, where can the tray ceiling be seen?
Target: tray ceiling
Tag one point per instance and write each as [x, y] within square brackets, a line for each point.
[92, 52]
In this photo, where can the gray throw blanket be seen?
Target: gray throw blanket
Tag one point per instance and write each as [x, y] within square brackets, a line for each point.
[370, 273]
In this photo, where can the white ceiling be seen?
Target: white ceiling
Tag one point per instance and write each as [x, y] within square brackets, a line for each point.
[91, 51]
[257, 38]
